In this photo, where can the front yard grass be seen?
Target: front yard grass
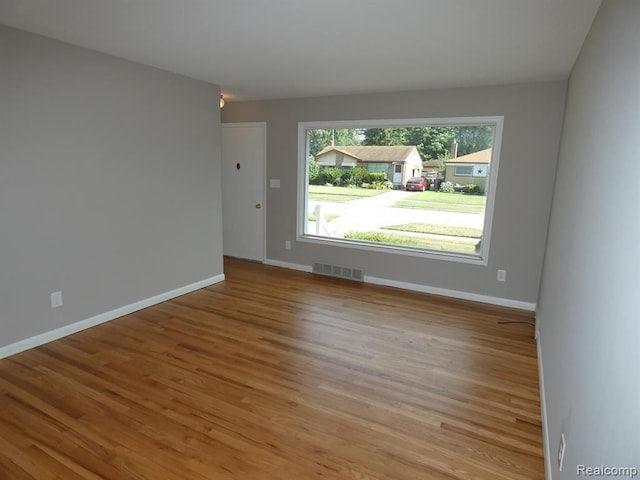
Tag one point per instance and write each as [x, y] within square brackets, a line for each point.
[340, 194]
[446, 245]
[449, 230]
[453, 202]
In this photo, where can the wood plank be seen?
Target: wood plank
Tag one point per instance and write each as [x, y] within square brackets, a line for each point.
[277, 374]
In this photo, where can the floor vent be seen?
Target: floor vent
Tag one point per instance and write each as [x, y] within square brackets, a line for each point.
[339, 271]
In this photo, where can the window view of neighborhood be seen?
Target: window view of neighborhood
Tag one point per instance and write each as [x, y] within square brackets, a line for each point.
[416, 188]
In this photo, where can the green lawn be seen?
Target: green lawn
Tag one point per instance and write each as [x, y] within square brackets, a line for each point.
[437, 229]
[340, 194]
[453, 202]
[411, 241]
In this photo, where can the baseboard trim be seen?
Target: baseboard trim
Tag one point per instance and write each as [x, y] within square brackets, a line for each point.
[290, 266]
[52, 335]
[503, 302]
[474, 297]
[543, 409]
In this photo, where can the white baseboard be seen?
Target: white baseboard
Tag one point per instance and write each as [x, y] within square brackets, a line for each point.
[543, 408]
[47, 337]
[445, 292]
[503, 302]
[290, 266]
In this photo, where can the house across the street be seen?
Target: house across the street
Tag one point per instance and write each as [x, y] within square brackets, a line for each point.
[471, 168]
[399, 163]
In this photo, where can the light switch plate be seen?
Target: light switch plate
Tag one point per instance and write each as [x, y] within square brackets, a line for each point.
[56, 299]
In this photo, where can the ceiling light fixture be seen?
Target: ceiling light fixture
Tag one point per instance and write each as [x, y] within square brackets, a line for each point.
[221, 101]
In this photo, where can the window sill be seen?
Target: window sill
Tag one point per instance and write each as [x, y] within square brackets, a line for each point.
[394, 249]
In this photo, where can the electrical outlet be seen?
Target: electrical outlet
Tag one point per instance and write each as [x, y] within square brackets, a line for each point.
[287, 244]
[56, 299]
[561, 449]
[502, 275]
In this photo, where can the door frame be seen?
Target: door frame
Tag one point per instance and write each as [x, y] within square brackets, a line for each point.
[262, 125]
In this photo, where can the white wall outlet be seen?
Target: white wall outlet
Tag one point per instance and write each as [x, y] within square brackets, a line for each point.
[561, 449]
[287, 244]
[502, 275]
[56, 299]
[274, 182]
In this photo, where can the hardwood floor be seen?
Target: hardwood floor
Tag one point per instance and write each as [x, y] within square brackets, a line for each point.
[276, 374]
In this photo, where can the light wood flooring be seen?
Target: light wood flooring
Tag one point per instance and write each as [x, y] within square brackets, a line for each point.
[277, 374]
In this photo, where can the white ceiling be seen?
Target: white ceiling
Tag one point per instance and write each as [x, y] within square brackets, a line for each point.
[258, 49]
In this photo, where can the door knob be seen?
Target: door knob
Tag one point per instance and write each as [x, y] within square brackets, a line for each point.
[258, 205]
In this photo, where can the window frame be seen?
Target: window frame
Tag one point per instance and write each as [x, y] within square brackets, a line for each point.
[385, 167]
[303, 181]
[456, 174]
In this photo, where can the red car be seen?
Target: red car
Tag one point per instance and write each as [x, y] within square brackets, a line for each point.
[417, 184]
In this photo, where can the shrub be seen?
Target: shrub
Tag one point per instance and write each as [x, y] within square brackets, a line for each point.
[471, 189]
[331, 175]
[376, 181]
[447, 187]
[378, 185]
[376, 177]
[355, 176]
[345, 179]
[314, 171]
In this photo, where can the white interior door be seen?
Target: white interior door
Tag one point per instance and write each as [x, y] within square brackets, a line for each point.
[243, 189]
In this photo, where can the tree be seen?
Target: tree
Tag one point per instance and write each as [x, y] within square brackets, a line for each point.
[385, 136]
[318, 139]
[322, 138]
[473, 139]
[433, 143]
[314, 170]
[345, 137]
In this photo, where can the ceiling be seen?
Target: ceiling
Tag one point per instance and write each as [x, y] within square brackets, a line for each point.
[259, 49]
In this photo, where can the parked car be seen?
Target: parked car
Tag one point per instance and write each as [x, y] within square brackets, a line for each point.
[417, 184]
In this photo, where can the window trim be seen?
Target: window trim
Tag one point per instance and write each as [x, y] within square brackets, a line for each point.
[303, 181]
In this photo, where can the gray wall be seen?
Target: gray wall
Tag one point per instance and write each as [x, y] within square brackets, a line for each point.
[588, 309]
[532, 127]
[109, 183]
